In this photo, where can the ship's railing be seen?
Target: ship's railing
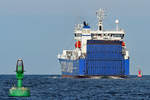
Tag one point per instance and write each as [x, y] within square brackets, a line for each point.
[70, 54]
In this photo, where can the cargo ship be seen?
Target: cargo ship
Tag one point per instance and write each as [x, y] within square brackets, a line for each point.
[97, 53]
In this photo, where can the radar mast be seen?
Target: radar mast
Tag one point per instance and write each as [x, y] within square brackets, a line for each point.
[100, 16]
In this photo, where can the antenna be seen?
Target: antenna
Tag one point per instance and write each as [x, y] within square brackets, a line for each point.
[78, 26]
[117, 24]
[100, 16]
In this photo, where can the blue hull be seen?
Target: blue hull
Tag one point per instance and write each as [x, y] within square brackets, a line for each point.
[84, 67]
[103, 58]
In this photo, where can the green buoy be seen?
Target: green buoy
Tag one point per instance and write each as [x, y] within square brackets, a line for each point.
[19, 91]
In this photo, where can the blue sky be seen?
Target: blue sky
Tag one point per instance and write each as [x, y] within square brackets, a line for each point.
[37, 30]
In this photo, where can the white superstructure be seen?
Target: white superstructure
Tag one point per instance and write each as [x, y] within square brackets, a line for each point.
[83, 32]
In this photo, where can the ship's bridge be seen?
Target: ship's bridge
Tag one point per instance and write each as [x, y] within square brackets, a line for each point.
[99, 35]
[84, 30]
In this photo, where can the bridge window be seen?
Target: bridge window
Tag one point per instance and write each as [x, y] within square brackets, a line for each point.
[99, 35]
[117, 35]
[77, 35]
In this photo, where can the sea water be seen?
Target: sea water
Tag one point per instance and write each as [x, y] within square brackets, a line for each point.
[53, 87]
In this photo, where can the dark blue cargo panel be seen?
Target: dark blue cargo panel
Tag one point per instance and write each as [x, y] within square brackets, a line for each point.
[105, 58]
[98, 49]
[105, 67]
